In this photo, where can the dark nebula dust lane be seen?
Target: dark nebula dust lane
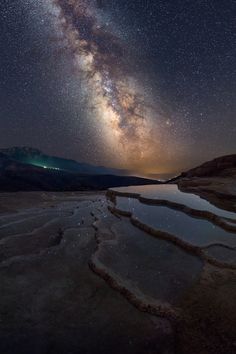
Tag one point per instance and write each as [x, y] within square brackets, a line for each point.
[142, 85]
[117, 101]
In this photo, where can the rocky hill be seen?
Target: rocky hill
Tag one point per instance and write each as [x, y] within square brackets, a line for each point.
[19, 176]
[224, 166]
[35, 157]
[214, 180]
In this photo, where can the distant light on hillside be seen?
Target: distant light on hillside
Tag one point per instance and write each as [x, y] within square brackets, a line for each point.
[50, 168]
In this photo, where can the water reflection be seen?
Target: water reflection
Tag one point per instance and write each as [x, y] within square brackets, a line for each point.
[171, 193]
[196, 231]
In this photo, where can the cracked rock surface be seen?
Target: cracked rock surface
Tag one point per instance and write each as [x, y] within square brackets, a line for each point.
[79, 275]
[50, 299]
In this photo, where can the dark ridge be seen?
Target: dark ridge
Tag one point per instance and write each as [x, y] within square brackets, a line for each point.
[35, 157]
[18, 176]
[224, 166]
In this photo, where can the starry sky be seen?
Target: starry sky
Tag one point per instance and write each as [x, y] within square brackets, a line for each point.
[145, 85]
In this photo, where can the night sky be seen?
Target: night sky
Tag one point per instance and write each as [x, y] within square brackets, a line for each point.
[145, 85]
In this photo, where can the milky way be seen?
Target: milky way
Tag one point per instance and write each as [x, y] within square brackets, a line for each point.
[116, 98]
[142, 85]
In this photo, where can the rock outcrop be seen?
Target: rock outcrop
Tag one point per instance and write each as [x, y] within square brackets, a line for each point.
[224, 166]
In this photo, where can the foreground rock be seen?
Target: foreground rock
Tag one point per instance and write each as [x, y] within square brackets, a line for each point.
[76, 278]
[50, 300]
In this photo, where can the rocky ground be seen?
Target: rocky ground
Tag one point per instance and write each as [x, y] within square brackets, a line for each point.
[50, 299]
[76, 278]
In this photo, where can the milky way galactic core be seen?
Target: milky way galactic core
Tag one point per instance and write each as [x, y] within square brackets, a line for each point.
[127, 118]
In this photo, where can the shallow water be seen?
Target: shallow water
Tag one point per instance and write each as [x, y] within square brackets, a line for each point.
[170, 192]
[157, 268]
[197, 231]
